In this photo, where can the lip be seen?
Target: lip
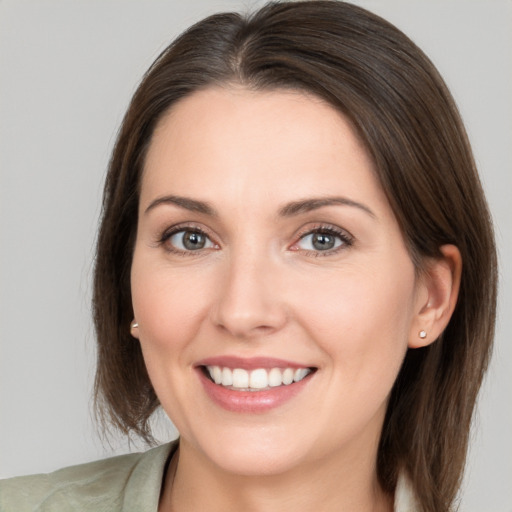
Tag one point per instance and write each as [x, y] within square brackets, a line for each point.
[250, 401]
[251, 363]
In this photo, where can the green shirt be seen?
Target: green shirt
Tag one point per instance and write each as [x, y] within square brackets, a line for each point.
[120, 484]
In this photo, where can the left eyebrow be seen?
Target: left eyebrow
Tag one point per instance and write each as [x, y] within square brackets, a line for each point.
[307, 205]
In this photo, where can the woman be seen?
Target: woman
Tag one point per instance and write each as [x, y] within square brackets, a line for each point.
[296, 261]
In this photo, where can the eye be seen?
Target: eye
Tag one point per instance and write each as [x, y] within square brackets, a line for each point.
[323, 240]
[319, 242]
[186, 240]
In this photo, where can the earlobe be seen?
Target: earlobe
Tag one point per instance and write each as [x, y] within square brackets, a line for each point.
[440, 282]
[134, 329]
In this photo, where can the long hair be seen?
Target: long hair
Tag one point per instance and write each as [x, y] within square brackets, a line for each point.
[377, 77]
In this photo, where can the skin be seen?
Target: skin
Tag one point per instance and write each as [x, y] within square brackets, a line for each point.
[260, 288]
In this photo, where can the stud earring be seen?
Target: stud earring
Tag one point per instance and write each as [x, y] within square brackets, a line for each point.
[134, 325]
[422, 334]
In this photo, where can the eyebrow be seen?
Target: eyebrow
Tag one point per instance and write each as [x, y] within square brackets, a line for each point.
[183, 202]
[288, 210]
[307, 205]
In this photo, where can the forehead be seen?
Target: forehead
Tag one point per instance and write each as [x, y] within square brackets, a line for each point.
[281, 144]
[222, 112]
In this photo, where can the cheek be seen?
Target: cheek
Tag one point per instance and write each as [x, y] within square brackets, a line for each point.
[361, 316]
[169, 307]
[168, 304]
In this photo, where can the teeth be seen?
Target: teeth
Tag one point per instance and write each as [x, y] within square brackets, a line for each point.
[275, 377]
[217, 375]
[256, 379]
[227, 377]
[288, 376]
[300, 373]
[240, 378]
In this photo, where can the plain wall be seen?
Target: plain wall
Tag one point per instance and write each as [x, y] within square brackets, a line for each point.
[67, 71]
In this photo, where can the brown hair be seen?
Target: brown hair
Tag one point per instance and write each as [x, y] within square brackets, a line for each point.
[371, 72]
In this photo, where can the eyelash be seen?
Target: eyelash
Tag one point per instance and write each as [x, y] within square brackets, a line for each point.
[166, 236]
[346, 239]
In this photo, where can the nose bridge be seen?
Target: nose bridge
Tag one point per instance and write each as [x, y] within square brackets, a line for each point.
[248, 303]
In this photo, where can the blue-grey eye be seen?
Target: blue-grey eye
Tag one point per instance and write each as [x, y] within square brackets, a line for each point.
[188, 240]
[320, 241]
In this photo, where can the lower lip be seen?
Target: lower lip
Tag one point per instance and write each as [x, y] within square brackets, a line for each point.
[251, 401]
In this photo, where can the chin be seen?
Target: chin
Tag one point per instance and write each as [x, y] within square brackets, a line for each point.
[258, 452]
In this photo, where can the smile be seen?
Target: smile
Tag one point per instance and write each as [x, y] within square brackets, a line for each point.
[253, 385]
[258, 379]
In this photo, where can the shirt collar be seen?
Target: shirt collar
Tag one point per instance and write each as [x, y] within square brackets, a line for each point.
[405, 499]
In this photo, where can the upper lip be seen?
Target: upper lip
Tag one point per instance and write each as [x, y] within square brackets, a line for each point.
[251, 363]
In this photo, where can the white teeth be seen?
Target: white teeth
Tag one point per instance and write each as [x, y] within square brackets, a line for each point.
[275, 377]
[299, 374]
[288, 376]
[240, 378]
[217, 375]
[256, 379]
[227, 377]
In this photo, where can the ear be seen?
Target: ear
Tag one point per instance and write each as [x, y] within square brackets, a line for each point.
[437, 296]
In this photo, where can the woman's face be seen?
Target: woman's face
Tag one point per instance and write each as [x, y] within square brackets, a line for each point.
[266, 251]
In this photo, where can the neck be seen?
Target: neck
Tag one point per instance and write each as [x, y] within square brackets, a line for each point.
[329, 484]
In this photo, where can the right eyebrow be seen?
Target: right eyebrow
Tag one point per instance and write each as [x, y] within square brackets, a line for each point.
[183, 202]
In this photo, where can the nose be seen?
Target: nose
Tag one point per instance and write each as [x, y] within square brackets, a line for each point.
[249, 302]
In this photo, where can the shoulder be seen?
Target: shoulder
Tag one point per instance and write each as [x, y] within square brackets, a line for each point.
[115, 484]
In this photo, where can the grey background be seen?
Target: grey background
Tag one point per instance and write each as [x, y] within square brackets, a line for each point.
[67, 71]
